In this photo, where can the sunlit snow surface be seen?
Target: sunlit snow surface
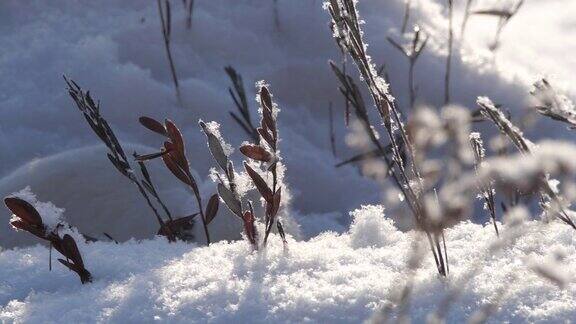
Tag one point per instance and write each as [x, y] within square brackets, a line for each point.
[114, 49]
[331, 278]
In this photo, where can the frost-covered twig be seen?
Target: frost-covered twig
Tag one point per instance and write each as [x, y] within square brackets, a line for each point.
[267, 152]
[487, 192]
[525, 147]
[553, 104]
[348, 35]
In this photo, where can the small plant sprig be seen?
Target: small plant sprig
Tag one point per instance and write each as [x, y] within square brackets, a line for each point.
[486, 190]
[172, 229]
[227, 188]
[450, 50]
[189, 6]
[406, 18]
[173, 153]
[331, 129]
[412, 54]
[467, 12]
[266, 152]
[166, 26]
[552, 104]
[238, 95]
[503, 16]
[28, 219]
[525, 147]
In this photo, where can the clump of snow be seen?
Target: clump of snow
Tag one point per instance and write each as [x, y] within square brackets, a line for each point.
[370, 228]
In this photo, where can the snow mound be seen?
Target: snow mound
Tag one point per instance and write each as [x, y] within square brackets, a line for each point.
[332, 278]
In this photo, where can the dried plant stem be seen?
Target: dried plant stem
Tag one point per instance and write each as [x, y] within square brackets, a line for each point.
[189, 12]
[166, 25]
[449, 56]
[412, 54]
[515, 135]
[406, 18]
[332, 134]
[348, 36]
[465, 18]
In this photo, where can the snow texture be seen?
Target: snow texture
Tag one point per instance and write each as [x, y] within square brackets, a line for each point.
[335, 278]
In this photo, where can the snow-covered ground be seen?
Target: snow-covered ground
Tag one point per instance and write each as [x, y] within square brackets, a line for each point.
[331, 278]
[114, 49]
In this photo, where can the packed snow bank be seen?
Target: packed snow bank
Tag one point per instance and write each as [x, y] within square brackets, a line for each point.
[332, 278]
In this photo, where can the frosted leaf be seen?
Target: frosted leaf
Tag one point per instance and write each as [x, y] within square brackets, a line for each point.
[214, 128]
[51, 215]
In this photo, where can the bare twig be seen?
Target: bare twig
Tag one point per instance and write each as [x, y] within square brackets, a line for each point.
[449, 56]
[412, 54]
[332, 134]
[238, 95]
[166, 24]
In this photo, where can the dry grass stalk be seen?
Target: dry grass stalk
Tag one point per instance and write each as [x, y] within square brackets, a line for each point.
[487, 192]
[412, 53]
[332, 134]
[116, 155]
[525, 147]
[467, 13]
[503, 16]
[552, 104]
[406, 18]
[238, 95]
[449, 56]
[346, 27]
[166, 25]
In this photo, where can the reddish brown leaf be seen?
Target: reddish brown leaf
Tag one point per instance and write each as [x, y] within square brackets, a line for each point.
[175, 169]
[71, 250]
[153, 125]
[260, 184]
[256, 152]
[175, 136]
[212, 208]
[267, 137]
[249, 227]
[265, 98]
[24, 210]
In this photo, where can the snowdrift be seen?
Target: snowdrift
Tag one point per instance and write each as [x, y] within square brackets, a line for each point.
[336, 278]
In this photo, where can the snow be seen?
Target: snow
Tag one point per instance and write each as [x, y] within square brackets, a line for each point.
[332, 277]
[338, 266]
